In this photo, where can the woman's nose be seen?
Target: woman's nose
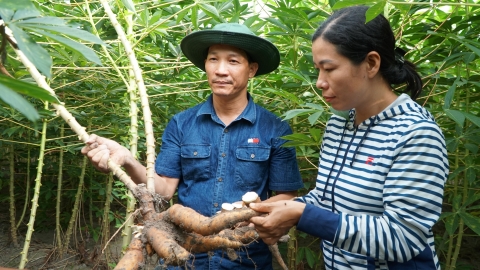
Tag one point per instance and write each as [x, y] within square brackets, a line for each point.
[321, 84]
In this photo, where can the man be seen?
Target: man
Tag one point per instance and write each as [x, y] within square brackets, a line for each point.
[220, 149]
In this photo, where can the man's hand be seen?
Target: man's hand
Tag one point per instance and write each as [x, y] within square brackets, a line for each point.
[282, 215]
[99, 150]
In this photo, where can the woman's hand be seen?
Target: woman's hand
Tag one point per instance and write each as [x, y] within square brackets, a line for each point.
[282, 215]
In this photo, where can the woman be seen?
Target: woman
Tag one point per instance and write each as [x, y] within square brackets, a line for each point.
[382, 171]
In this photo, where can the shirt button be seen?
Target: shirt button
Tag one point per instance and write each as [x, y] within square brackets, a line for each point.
[223, 154]
[226, 131]
[215, 204]
[220, 179]
[195, 153]
[252, 155]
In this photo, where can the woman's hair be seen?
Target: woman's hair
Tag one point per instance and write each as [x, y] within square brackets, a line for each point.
[353, 38]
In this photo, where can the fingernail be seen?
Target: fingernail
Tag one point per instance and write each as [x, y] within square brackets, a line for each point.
[252, 204]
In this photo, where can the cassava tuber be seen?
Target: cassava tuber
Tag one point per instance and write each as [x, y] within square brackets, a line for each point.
[179, 231]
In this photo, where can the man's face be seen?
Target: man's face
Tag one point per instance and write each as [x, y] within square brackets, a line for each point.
[228, 70]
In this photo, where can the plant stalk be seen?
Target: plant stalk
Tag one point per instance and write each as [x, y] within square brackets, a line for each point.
[106, 212]
[66, 115]
[58, 229]
[147, 115]
[132, 91]
[13, 228]
[27, 188]
[36, 194]
[76, 205]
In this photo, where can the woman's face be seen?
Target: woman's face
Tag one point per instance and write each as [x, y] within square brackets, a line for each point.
[343, 84]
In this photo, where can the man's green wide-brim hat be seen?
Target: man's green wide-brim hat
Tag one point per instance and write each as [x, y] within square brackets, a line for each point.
[195, 46]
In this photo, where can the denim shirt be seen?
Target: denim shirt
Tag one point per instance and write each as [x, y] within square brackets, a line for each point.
[217, 164]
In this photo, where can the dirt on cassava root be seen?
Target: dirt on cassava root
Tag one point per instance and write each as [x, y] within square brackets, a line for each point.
[179, 231]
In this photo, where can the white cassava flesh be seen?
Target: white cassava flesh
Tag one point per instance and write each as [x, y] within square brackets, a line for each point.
[227, 207]
[250, 197]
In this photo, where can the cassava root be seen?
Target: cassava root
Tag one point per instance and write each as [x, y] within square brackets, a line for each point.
[179, 231]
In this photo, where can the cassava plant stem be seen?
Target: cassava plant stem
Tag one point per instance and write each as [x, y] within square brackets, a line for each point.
[36, 195]
[106, 213]
[76, 206]
[58, 229]
[66, 115]
[147, 116]
[132, 91]
[13, 228]
[27, 188]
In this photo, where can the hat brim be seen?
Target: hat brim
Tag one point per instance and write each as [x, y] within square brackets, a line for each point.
[195, 48]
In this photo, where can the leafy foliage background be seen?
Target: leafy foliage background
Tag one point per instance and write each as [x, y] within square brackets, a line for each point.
[442, 39]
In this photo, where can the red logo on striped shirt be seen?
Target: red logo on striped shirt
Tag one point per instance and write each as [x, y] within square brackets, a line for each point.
[369, 161]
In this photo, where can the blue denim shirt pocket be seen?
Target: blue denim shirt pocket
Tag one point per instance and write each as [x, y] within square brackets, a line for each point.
[251, 166]
[196, 161]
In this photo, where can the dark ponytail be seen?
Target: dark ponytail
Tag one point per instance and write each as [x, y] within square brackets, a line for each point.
[353, 38]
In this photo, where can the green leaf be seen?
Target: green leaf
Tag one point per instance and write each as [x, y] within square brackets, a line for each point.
[28, 89]
[194, 17]
[310, 255]
[33, 51]
[348, 3]
[457, 116]
[9, 7]
[68, 31]
[316, 134]
[374, 11]
[300, 253]
[473, 48]
[25, 13]
[17, 102]
[313, 118]
[6, 14]
[471, 175]
[129, 5]
[471, 221]
[294, 141]
[17, 4]
[472, 197]
[451, 224]
[211, 11]
[75, 46]
[296, 112]
[48, 20]
[457, 201]
[474, 119]
[450, 94]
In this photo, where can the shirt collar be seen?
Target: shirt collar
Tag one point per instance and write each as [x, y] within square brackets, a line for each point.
[249, 113]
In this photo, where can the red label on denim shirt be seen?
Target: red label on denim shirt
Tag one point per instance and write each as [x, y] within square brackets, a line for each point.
[254, 140]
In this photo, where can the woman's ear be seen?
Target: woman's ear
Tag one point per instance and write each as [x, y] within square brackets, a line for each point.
[373, 61]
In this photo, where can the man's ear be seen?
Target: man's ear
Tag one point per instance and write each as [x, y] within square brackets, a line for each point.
[253, 67]
[373, 61]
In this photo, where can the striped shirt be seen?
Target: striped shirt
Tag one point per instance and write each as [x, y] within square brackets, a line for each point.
[379, 190]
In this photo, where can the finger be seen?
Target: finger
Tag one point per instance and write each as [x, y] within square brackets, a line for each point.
[87, 148]
[257, 221]
[91, 139]
[96, 153]
[104, 160]
[261, 207]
